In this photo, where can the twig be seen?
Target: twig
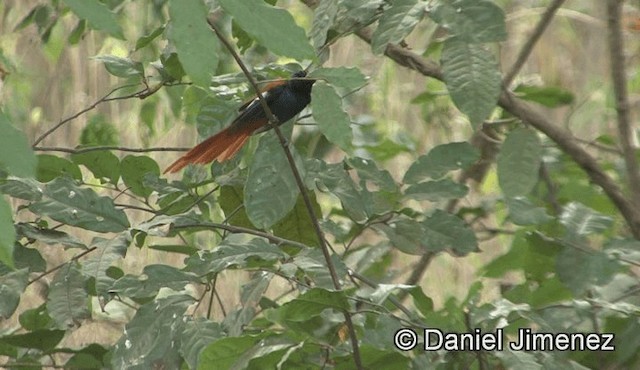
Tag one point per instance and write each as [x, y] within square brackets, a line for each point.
[303, 191]
[242, 230]
[551, 188]
[87, 109]
[618, 75]
[103, 148]
[76, 257]
[527, 48]
[467, 322]
[599, 146]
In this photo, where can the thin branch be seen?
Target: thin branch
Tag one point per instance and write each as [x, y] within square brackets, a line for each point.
[626, 132]
[87, 109]
[103, 148]
[76, 257]
[527, 48]
[241, 230]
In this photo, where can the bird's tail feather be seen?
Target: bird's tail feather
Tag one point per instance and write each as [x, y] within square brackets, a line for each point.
[222, 146]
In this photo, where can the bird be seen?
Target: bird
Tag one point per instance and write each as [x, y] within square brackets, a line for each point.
[285, 98]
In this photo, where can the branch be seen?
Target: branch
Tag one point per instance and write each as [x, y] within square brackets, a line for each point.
[76, 257]
[563, 138]
[303, 191]
[527, 48]
[242, 230]
[87, 109]
[618, 75]
[103, 148]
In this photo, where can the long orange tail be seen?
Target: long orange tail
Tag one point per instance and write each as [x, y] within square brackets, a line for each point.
[221, 146]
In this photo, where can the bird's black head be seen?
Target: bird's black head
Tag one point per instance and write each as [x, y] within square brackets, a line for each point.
[298, 83]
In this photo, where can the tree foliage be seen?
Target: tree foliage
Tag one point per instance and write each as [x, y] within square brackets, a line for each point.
[563, 212]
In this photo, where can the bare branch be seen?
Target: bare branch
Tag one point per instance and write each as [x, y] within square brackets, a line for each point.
[87, 109]
[527, 48]
[103, 148]
[618, 75]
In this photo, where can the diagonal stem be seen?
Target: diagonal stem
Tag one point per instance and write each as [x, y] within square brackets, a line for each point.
[303, 190]
[527, 48]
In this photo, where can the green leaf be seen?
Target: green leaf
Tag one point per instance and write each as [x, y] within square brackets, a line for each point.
[549, 96]
[333, 121]
[89, 357]
[435, 191]
[99, 131]
[133, 169]
[67, 203]
[196, 336]
[472, 78]
[7, 233]
[441, 160]
[581, 220]
[310, 304]
[51, 166]
[121, 67]
[396, 23]
[12, 285]
[346, 78]
[151, 338]
[297, 226]
[98, 16]
[375, 358]
[339, 183]
[233, 252]
[35, 318]
[43, 340]
[473, 21]
[102, 163]
[152, 279]
[270, 191]
[22, 188]
[226, 352]
[356, 14]
[48, 236]
[108, 251]
[323, 17]
[523, 212]
[231, 201]
[519, 162]
[446, 231]
[272, 27]
[16, 155]
[67, 301]
[29, 258]
[147, 39]
[529, 253]
[78, 31]
[406, 235]
[580, 270]
[368, 171]
[195, 43]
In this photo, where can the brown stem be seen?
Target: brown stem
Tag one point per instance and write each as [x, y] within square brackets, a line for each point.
[303, 190]
[527, 48]
[618, 75]
[103, 148]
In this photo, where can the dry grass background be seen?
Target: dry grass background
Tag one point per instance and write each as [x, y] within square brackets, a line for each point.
[53, 81]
